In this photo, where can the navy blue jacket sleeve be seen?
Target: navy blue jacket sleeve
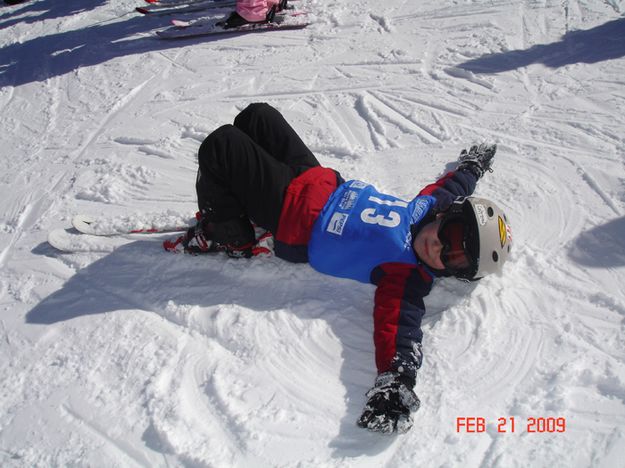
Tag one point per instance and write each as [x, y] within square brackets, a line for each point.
[459, 183]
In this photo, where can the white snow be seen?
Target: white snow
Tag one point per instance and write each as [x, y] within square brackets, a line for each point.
[130, 356]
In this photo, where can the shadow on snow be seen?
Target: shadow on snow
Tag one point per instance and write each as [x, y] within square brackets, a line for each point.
[604, 42]
[136, 277]
[602, 246]
[45, 57]
[36, 11]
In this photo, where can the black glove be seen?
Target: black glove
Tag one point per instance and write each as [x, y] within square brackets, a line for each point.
[389, 405]
[478, 159]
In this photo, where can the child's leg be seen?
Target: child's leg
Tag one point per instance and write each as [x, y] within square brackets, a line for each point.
[237, 177]
[268, 128]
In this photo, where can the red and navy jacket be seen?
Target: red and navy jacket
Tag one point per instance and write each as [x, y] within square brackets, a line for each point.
[401, 287]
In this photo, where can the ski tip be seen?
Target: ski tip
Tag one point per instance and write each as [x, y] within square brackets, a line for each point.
[143, 11]
[56, 239]
[83, 223]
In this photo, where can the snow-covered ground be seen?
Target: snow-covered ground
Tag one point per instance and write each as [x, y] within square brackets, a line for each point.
[131, 356]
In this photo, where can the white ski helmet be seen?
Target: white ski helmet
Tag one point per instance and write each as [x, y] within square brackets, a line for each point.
[486, 238]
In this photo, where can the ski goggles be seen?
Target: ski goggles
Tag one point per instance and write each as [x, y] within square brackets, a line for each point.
[455, 235]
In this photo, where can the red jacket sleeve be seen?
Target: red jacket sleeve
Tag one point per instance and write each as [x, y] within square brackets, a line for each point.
[398, 310]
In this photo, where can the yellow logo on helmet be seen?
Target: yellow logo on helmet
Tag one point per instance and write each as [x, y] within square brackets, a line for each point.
[503, 236]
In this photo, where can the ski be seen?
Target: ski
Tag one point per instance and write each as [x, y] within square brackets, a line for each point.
[198, 28]
[158, 10]
[72, 241]
[197, 22]
[93, 234]
[98, 227]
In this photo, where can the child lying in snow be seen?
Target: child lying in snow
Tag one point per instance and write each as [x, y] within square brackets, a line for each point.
[260, 169]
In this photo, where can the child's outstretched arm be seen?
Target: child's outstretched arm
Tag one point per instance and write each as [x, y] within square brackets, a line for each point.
[399, 309]
[472, 165]
[397, 336]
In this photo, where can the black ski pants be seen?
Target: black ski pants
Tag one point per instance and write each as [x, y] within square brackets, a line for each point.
[245, 168]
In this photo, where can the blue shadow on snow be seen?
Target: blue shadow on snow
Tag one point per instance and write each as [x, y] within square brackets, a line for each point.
[602, 246]
[604, 42]
[122, 282]
[43, 10]
[140, 278]
[45, 57]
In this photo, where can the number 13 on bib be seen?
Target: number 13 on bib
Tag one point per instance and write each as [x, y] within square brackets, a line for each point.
[360, 228]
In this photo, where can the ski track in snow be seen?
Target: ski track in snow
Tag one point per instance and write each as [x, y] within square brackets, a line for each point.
[123, 355]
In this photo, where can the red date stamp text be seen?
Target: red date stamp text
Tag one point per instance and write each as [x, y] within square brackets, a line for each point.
[477, 424]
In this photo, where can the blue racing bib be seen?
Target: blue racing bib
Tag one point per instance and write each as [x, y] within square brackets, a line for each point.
[360, 228]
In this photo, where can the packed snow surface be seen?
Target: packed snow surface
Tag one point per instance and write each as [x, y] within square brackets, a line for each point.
[125, 355]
